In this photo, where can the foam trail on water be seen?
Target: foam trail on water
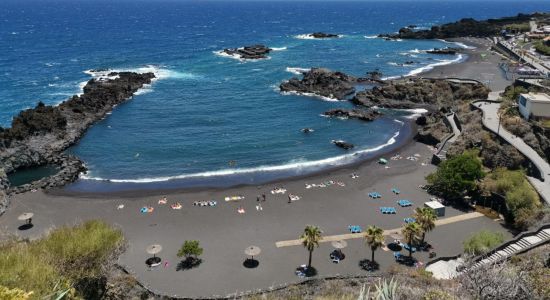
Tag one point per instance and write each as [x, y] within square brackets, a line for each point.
[297, 71]
[286, 93]
[417, 71]
[278, 48]
[293, 165]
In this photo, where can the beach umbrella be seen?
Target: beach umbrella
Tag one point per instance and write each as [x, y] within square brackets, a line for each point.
[26, 217]
[252, 251]
[154, 249]
[339, 244]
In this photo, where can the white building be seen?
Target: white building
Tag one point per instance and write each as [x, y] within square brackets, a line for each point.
[437, 207]
[534, 105]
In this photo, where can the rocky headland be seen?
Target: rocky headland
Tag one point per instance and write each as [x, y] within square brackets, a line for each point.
[322, 82]
[38, 136]
[430, 94]
[249, 52]
[360, 114]
[467, 27]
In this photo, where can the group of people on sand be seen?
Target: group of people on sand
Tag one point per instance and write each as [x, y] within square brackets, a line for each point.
[325, 184]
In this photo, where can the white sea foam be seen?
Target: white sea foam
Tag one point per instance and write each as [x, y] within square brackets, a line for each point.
[370, 36]
[414, 113]
[278, 48]
[236, 56]
[160, 72]
[417, 71]
[310, 95]
[459, 44]
[297, 71]
[294, 165]
[309, 36]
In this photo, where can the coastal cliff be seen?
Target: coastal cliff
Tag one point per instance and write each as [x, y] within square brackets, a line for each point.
[468, 27]
[39, 135]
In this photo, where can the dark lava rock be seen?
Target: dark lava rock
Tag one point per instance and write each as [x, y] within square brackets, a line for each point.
[465, 27]
[39, 136]
[448, 50]
[307, 130]
[343, 144]
[322, 82]
[430, 94]
[250, 52]
[361, 114]
[322, 35]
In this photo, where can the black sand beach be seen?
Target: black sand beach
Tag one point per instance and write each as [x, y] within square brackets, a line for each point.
[225, 234]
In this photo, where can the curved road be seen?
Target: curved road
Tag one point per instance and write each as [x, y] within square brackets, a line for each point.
[490, 121]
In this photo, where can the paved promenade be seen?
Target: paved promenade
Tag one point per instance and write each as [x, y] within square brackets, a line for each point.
[490, 121]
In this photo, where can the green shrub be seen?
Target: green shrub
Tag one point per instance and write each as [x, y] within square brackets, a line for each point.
[542, 48]
[457, 176]
[482, 241]
[60, 261]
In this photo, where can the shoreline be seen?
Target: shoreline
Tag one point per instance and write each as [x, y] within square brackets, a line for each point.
[171, 186]
[224, 233]
[84, 186]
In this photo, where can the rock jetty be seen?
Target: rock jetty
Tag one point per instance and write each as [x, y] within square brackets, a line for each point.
[360, 114]
[38, 136]
[322, 82]
[249, 52]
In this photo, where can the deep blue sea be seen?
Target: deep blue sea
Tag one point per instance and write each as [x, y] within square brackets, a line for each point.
[208, 114]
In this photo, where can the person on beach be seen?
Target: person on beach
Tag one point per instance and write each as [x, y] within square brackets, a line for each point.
[289, 198]
[263, 197]
[258, 198]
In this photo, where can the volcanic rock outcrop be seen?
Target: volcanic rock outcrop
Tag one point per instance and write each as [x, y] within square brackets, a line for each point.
[430, 94]
[361, 114]
[39, 135]
[250, 52]
[321, 82]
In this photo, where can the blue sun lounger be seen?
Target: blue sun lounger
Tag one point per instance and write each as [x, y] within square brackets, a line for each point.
[375, 195]
[388, 210]
[355, 228]
[404, 203]
[409, 220]
[395, 191]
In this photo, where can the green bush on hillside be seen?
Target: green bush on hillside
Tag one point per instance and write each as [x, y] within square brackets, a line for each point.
[457, 176]
[59, 262]
[522, 200]
[482, 241]
[542, 48]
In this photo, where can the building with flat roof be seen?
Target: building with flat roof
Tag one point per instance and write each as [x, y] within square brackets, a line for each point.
[534, 105]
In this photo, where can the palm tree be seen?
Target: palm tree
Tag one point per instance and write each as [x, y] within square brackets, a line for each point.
[410, 232]
[310, 240]
[425, 217]
[374, 238]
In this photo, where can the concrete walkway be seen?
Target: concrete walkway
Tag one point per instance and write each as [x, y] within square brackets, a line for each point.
[350, 236]
[454, 127]
[491, 122]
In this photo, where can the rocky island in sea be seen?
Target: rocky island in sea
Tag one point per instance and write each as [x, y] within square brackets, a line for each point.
[249, 52]
[38, 136]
